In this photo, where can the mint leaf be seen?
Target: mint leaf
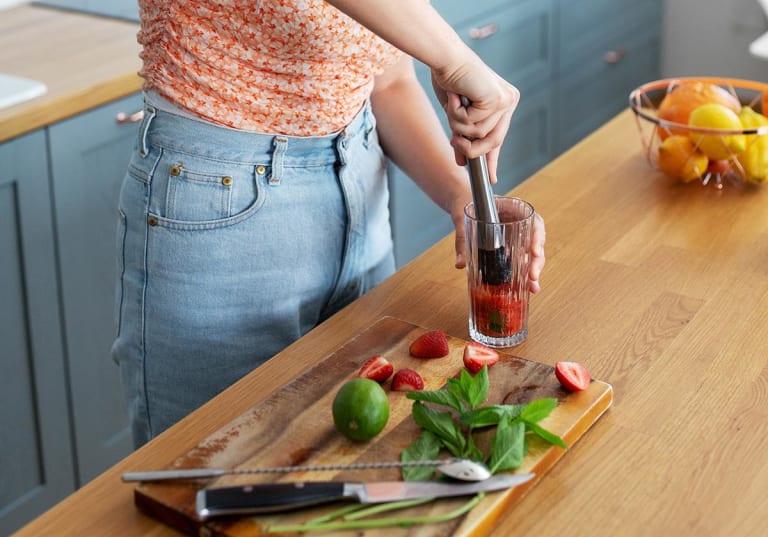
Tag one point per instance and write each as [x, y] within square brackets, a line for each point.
[508, 446]
[442, 425]
[455, 387]
[490, 415]
[476, 387]
[425, 448]
[537, 410]
[438, 397]
[550, 437]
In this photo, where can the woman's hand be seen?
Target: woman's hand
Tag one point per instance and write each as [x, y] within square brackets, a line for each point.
[480, 128]
[537, 253]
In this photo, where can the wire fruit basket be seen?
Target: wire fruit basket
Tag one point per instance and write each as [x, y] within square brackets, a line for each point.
[704, 154]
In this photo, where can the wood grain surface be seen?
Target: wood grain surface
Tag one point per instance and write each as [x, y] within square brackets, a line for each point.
[84, 60]
[660, 288]
[294, 426]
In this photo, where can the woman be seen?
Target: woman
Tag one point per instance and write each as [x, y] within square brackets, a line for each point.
[255, 204]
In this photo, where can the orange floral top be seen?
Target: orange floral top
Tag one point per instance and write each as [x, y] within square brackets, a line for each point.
[293, 67]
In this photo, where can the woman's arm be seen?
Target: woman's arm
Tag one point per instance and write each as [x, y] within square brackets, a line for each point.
[416, 28]
[412, 136]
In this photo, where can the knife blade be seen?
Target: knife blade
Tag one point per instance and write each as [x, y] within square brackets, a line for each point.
[277, 497]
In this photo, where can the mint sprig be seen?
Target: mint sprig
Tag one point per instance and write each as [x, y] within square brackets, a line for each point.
[452, 427]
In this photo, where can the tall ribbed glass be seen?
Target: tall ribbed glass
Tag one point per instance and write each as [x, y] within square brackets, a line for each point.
[498, 260]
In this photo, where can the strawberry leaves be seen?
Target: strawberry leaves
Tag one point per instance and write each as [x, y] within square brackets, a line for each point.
[452, 429]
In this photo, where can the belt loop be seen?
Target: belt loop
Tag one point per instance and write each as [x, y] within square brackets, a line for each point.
[342, 142]
[146, 120]
[281, 145]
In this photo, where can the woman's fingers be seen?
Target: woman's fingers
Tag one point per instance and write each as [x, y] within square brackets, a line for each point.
[538, 257]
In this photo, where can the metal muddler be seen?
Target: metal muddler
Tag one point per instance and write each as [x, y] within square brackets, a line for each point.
[490, 248]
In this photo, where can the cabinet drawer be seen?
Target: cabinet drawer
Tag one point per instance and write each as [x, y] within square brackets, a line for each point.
[588, 27]
[517, 42]
[590, 96]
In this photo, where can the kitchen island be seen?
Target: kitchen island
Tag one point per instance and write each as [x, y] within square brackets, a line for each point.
[660, 288]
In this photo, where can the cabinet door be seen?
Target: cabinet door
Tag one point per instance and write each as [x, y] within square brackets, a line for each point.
[89, 157]
[600, 89]
[36, 467]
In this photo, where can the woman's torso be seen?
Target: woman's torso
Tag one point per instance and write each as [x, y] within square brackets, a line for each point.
[294, 67]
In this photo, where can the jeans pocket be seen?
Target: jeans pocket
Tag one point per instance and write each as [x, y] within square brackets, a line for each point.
[191, 191]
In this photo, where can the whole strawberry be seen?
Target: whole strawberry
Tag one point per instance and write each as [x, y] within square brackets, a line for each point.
[432, 344]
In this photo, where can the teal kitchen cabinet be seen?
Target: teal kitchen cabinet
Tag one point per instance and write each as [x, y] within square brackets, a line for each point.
[517, 39]
[63, 419]
[89, 157]
[606, 49]
[36, 456]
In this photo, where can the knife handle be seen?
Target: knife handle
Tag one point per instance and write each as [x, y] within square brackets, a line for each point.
[268, 497]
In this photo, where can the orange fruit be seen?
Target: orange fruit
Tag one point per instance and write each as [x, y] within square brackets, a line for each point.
[679, 158]
[360, 409]
[681, 100]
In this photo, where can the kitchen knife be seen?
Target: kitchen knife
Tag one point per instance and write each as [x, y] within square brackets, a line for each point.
[276, 497]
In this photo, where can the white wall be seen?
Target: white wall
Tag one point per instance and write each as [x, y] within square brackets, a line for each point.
[711, 38]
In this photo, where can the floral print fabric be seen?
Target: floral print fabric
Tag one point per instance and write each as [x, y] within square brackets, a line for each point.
[293, 67]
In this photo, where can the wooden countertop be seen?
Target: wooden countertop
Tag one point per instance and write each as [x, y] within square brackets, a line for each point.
[660, 288]
[85, 61]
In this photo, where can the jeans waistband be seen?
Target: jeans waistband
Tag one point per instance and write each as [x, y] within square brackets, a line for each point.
[179, 132]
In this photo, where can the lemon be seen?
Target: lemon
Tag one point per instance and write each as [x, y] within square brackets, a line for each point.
[360, 409]
[754, 160]
[717, 146]
[679, 158]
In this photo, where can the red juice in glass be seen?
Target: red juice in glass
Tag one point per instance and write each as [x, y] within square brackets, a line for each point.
[498, 260]
[496, 311]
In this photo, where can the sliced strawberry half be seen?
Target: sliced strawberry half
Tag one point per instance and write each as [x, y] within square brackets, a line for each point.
[572, 375]
[376, 368]
[407, 380]
[432, 344]
[476, 355]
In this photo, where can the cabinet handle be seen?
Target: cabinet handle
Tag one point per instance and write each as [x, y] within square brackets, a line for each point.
[483, 32]
[613, 57]
[122, 118]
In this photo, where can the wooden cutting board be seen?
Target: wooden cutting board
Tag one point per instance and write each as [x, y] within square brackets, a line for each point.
[295, 426]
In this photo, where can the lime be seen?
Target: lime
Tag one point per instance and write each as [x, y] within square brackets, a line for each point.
[360, 409]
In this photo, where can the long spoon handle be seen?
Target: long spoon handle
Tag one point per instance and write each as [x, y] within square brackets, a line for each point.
[201, 473]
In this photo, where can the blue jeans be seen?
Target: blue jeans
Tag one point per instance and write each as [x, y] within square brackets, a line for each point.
[232, 245]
